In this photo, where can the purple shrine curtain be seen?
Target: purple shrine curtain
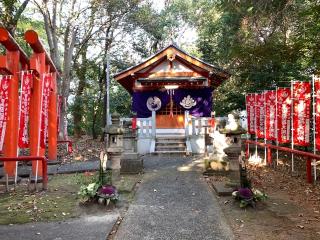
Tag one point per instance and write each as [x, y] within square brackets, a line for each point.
[144, 102]
[197, 101]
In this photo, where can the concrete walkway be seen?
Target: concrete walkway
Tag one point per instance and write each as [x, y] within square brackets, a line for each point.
[173, 202]
[84, 228]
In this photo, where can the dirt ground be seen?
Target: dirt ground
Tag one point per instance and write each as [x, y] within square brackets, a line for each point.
[84, 149]
[292, 210]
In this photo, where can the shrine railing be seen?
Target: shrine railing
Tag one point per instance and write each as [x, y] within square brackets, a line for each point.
[196, 125]
[144, 127]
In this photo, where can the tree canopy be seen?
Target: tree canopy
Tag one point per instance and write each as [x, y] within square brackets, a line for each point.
[262, 44]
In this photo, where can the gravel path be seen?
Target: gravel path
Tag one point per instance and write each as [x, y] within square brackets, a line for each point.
[173, 202]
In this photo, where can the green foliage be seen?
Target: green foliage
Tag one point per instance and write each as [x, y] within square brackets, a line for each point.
[10, 13]
[87, 192]
[261, 43]
[249, 197]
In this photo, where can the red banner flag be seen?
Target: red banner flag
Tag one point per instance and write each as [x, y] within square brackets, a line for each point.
[46, 86]
[284, 114]
[26, 84]
[317, 110]
[301, 113]
[4, 99]
[260, 115]
[270, 122]
[250, 103]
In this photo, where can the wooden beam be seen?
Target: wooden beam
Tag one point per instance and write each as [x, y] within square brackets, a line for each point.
[204, 73]
[170, 50]
[167, 74]
[37, 46]
[148, 88]
[141, 66]
[11, 45]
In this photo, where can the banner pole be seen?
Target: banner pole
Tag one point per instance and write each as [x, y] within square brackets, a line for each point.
[255, 122]
[292, 143]
[39, 132]
[247, 122]
[265, 127]
[314, 126]
[19, 115]
[277, 140]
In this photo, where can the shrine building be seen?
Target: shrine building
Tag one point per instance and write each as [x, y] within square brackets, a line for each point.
[171, 95]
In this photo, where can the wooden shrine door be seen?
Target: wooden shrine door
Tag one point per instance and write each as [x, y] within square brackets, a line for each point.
[172, 116]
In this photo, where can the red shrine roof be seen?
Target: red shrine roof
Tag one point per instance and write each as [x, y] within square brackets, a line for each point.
[171, 65]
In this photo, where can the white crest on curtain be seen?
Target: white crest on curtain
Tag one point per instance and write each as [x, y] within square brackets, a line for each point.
[153, 103]
[188, 102]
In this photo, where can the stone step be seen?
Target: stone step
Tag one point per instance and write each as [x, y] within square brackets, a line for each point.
[171, 146]
[165, 140]
[178, 144]
[171, 149]
[170, 153]
[170, 137]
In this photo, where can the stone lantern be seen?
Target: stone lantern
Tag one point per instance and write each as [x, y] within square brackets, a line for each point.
[130, 159]
[227, 148]
[233, 132]
[114, 145]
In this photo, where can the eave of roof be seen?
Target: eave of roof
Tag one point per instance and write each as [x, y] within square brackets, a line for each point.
[216, 70]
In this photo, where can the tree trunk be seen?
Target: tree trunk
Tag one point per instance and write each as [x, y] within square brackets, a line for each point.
[81, 70]
[66, 76]
[102, 93]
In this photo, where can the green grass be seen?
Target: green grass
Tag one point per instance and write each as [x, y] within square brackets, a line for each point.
[59, 202]
[127, 182]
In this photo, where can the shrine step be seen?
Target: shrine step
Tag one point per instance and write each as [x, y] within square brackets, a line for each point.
[170, 141]
[177, 144]
[170, 148]
[174, 144]
[175, 153]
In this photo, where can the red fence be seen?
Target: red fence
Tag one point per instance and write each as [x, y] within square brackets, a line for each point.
[69, 143]
[32, 158]
[309, 156]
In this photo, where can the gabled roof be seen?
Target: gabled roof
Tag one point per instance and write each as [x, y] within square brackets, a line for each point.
[126, 78]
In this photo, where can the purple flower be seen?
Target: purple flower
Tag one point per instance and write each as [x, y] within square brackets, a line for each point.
[108, 190]
[245, 193]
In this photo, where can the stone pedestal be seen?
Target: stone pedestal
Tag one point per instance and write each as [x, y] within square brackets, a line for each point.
[233, 151]
[130, 159]
[131, 163]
